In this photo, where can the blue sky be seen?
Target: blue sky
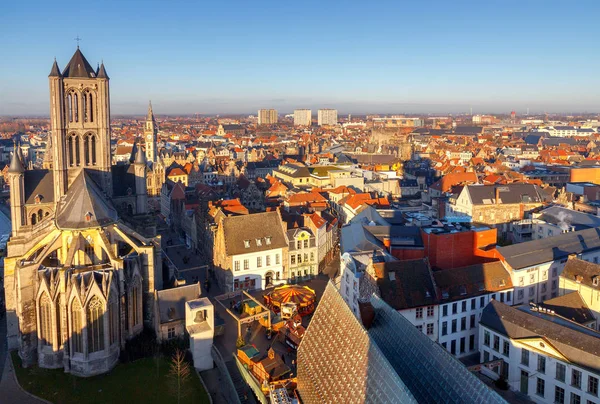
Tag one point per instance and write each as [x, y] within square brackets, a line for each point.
[378, 56]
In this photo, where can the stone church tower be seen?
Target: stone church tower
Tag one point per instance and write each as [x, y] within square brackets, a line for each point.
[83, 261]
[80, 123]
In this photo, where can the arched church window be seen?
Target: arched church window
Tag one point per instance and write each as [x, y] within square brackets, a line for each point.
[75, 107]
[84, 102]
[46, 320]
[70, 151]
[113, 320]
[33, 219]
[69, 106]
[91, 107]
[93, 142]
[89, 149]
[77, 324]
[86, 150]
[40, 215]
[77, 151]
[95, 324]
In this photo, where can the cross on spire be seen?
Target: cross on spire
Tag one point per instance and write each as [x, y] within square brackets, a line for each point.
[77, 39]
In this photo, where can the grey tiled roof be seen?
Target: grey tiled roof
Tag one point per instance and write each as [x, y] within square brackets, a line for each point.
[84, 196]
[588, 271]
[570, 306]
[559, 247]
[339, 361]
[257, 226]
[579, 220]
[39, 182]
[510, 193]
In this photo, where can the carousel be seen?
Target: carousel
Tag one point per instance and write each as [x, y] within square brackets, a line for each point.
[302, 296]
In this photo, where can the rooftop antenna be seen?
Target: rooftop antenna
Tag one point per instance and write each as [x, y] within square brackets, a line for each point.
[527, 111]
[77, 39]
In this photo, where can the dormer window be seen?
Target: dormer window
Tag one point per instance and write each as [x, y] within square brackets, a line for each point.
[268, 240]
[88, 217]
[246, 243]
[38, 198]
[445, 294]
[258, 242]
[463, 290]
[596, 280]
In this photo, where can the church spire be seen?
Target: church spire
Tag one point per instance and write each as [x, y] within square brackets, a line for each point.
[16, 165]
[55, 71]
[140, 156]
[102, 72]
[150, 116]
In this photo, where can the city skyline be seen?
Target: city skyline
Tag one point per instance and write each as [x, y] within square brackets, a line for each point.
[188, 59]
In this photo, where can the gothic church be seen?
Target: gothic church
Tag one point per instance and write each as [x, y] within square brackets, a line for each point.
[83, 260]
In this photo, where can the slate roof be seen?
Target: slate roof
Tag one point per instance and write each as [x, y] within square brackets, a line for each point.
[16, 165]
[171, 302]
[79, 67]
[570, 306]
[123, 179]
[575, 343]
[84, 197]
[406, 284]
[39, 182]
[399, 236]
[339, 360]
[55, 71]
[579, 220]
[586, 271]
[509, 194]
[530, 253]
[472, 280]
[237, 229]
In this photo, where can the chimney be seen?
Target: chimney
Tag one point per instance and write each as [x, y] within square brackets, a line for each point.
[497, 195]
[387, 243]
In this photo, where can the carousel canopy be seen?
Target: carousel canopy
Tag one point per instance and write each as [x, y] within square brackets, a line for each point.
[303, 296]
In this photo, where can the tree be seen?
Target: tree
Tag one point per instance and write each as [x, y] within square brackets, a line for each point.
[180, 372]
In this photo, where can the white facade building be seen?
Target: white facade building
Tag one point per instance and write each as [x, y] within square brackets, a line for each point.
[549, 361]
[302, 117]
[258, 270]
[464, 294]
[535, 266]
[267, 116]
[327, 117]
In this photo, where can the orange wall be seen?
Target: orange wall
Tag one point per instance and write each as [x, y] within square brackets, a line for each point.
[586, 175]
[455, 250]
[403, 254]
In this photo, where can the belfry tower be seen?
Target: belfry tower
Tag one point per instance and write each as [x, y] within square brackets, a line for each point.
[150, 135]
[80, 122]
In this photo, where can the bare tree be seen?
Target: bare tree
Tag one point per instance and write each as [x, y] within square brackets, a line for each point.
[180, 371]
